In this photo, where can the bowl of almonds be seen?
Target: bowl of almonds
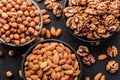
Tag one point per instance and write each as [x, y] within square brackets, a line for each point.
[51, 59]
[91, 20]
[20, 22]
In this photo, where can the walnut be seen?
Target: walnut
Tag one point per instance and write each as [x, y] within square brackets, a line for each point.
[69, 11]
[112, 67]
[112, 51]
[49, 4]
[88, 60]
[83, 51]
[57, 10]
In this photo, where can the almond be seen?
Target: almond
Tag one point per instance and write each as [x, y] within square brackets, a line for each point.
[20, 73]
[37, 47]
[47, 68]
[66, 67]
[53, 75]
[43, 31]
[58, 32]
[43, 64]
[68, 72]
[43, 11]
[102, 57]
[87, 78]
[53, 31]
[56, 59]
[46, 21]
[48, 35]
[58, 69]
[97, 76]
[46, 16]
[103, 77]
[50, 47]
[49, 72]
[58, 75]
[63, 61]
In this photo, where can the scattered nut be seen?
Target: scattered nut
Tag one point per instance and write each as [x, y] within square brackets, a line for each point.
[99, 76]
[88, 60]
[20, 73]
[9, 74]
[58, 32]
[53, 31]
[1, 53]
[112, 51]
[112, 67]
[83, 51]
[11, 53]
[87, 78]
[102, 57]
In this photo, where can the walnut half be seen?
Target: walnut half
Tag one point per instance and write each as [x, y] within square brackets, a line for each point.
[112, 67]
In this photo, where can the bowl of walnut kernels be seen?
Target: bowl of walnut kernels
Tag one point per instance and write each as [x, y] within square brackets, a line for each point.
[20, 22]
[92, 20]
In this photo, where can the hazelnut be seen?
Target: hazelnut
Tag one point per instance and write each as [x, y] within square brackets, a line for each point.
[25, 23]
[27, 38]
[8, 6]
[37, 27]
[11, 53]
[14, 25]
[4, 9]
[37, 20]
[0, 25]
[35, 33]
[23, 40]
[4, 15]
[26, 13]
[1, 5]
[16, 42]
[37, 12]
[19, 20]
[23, 7]
[6, 27]
[22, 28]
[13, 10]
[1, 53]
[16, 36]
[3, 36]
[11, 36]
[29, 3]
[2, 30]
[7, 39]
[19, 2]
[12, 30]
[23, 18]
[22, 35]
[5, 2]
[32, 13]
[7, 33]
[32, 24]
[19, 13]
[27, 33]
[13, 3]
[17, 7]
[28, 19]
[31, 30]
[9, 74]
[1, 11]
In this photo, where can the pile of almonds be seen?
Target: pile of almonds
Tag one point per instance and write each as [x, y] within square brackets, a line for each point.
[51, 60]
[19, 21]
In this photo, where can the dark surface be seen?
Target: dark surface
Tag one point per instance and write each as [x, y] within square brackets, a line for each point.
[14, 63]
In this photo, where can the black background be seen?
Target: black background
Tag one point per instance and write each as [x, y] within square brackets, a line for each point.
[14, 63]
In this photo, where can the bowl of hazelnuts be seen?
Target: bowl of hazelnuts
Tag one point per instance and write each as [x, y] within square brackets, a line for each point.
[91, 20]
[20, 22]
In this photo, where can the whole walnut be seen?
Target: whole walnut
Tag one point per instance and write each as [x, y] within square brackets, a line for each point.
[112, 51]
[83, 51]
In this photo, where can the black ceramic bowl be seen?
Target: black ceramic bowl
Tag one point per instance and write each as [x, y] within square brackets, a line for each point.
[81, 38]
[45, 41]
[41, 25]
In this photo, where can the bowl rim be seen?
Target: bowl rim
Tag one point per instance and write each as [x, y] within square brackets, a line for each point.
[28, 42]
[51, 40]
[82, 38]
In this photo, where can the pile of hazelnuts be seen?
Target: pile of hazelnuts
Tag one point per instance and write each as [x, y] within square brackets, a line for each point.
[19, 21]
